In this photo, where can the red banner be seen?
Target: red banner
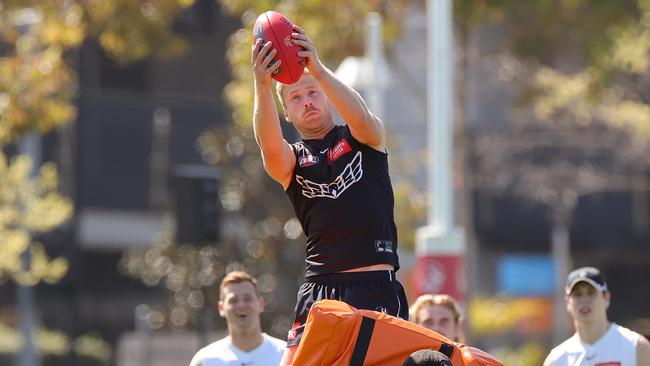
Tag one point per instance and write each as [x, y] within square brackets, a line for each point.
[440, 274]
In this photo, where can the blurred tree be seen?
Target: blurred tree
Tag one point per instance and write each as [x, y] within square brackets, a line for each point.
[38, 83]
[37, 78]
[616, 90]
[27, 207]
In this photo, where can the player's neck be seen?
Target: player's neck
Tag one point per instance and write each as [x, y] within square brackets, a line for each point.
[591, 332]
[246, 340]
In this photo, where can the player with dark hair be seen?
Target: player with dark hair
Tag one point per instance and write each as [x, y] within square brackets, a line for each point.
[240, 304]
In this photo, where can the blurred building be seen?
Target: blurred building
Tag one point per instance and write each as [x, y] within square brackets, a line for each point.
[137, 123]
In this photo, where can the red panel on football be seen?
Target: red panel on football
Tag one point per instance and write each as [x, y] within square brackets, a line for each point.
[275, 27]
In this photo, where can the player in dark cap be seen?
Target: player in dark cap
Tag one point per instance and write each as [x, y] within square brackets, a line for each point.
[597, 341]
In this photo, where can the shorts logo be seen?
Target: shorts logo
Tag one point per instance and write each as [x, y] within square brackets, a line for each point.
[337, 151]
[307, 160]
[293, 332]
[383, 246]
[382, 309]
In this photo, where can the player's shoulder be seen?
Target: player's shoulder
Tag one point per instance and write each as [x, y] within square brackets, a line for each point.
[627, 333]
[213, 348]
[557, 356]
[275, 342]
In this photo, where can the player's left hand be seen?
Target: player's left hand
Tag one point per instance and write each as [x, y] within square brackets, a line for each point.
[300, 38]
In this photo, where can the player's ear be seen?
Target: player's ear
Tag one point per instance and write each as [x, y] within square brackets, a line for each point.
[286, 114]
[220, 309]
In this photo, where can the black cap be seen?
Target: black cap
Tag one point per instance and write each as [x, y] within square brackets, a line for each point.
[589, 275]
[427, 357]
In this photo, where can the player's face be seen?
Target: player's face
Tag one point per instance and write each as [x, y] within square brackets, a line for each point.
[306, 105]
[439, 319]
[586, 304]
[240, 306]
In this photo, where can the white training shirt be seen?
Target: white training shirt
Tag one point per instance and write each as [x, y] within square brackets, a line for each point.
[617, 347]
[224, 353]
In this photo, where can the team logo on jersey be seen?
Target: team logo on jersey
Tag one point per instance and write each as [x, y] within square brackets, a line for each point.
[307, 160]
[351, 174]
[337, 151]
[383, 246]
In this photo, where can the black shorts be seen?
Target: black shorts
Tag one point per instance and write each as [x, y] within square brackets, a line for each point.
[372, 290]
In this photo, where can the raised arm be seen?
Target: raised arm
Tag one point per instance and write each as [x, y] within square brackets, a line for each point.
[277, 155]
[364, 126]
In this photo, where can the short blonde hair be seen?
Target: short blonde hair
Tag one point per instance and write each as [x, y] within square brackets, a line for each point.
[279, 87]
[237, 277]
[438, 299]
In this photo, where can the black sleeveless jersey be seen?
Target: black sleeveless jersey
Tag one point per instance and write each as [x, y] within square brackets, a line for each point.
[342, 195]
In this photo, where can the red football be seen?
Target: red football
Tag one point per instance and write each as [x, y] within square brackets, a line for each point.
[275, 27]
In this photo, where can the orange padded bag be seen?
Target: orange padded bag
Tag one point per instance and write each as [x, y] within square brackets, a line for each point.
[337, 334]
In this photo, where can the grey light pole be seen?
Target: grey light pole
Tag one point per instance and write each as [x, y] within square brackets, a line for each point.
[28, 356]
[440, 246]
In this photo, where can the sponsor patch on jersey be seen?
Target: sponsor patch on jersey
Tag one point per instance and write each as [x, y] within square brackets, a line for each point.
[293, 332]
[340, 149]
[307, 160]
[383, 246]
[608, 364]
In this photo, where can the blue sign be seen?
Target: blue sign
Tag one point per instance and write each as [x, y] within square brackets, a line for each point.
[526, 275]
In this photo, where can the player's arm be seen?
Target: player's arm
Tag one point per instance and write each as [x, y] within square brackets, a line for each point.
[277, 154]
[643, 352]
[365, 126]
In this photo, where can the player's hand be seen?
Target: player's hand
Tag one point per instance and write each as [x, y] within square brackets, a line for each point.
[299, 38]
[262, 64]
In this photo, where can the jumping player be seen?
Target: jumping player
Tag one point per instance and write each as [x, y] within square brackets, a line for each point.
[337, 181]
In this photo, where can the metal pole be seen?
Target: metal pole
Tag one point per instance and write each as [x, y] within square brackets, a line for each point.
[31, 146]
[440, 246]
[374, 55]
[440, 113]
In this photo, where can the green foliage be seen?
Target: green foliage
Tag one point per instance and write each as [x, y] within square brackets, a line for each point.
[37, 78]
[614, 91]
[27, 206]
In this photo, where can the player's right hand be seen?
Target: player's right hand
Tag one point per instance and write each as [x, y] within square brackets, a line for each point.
[262, 64]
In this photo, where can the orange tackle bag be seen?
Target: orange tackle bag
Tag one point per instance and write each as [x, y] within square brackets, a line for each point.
[337, 334]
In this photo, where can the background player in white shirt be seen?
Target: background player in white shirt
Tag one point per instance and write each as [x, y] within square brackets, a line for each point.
[441, 313]
[597, 341]
[241, 305]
